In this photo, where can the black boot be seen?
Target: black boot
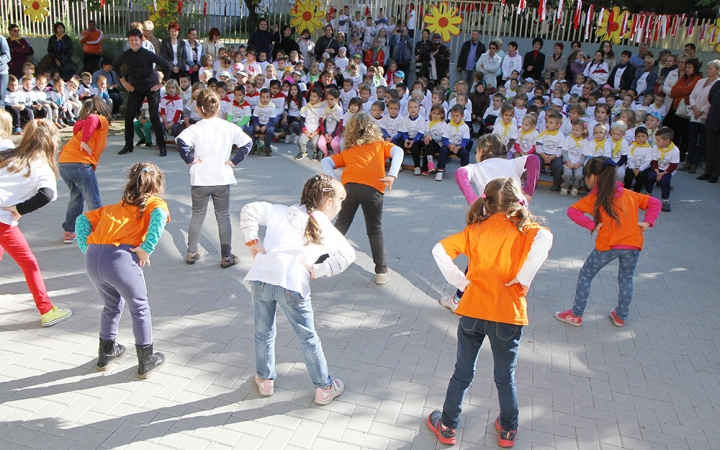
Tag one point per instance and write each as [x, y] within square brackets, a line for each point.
[163, 151]
[126, 149]
[110, 352]
[148, 362]
[140, 142]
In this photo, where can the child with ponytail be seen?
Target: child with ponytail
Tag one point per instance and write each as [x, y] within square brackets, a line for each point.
[505, 249]
[28, 181]
[614, 211]
[300, 244]
[114, 258]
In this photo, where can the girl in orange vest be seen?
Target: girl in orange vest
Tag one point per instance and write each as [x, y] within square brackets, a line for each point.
[79, 159]
[619, 235]
[505, 249]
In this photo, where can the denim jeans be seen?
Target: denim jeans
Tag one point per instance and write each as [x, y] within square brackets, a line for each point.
[299, 313]
[595, 262]
[221, 203]
[83, 185]
[504, 341]
[664, 184]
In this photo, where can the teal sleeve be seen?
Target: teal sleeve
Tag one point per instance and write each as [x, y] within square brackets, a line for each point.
[83, 228]
[158, 220]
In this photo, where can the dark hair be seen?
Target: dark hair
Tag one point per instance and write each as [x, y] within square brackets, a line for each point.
[504, 108]
[513, 43]
[553, 114]
[501, 196]
[213, 32]
[332, 92]
[107, 61]
[190, 30]
[12, 25]
[380, 104]
[275, 83]
[489, 146]
[146, 180]
[240, 87]
[316, 190]
[559, 44]
[604, 169]
[355, 101]
[317, 91]
[696, 65]
[609, 54]
[665, 133]
[95, 105]
[264, 91]
[135, 33]
[643, 130]
[689, 44]
[578, 43]
[538, 40]
[221, 85]
[298, 99]
[58, 24]
[627, 53]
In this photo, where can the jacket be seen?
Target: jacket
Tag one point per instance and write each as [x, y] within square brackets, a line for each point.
[682, 89]
[626, 79]
[713, 117]
[651, 80]
[20, 50]
[402, 49]
[442, 63]
[554, 66]
[189, 54]
[62, 50]
[92, 42]
[537, 63]
[166, 52]
[465, 52]
[263, 42]
[4, 56]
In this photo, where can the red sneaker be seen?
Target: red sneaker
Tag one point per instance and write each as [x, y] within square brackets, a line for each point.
[616, 320]
[444, 434]
[569, 317]
[506, 439]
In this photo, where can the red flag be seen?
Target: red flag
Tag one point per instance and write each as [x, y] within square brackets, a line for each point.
[541, 10]
[502, 2]
[623, 25]
[204, 9]
[490, 7]
[179, 6]
[578, 13]
[560, 12]
[102, 3]
[588, 22]
[367, 11]
[521, 6]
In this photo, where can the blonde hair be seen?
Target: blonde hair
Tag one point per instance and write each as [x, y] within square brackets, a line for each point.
[316, 190]
[361, 130]
[501, 196]
[39, 141]
[5, 124]
[172, 83]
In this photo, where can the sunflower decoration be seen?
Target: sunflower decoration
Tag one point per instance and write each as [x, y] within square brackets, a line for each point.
[611, 27]
[306, 15]
[37, 10]
[162, 14]
[443, 19]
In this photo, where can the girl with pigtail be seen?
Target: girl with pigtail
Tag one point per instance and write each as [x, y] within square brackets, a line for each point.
[300, 244]
[505, 248]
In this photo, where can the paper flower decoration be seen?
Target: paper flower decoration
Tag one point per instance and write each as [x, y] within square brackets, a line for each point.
[714, 35]
[306, 15]
[37, 10]
[615, 25]
[161, 11]
[444, 20]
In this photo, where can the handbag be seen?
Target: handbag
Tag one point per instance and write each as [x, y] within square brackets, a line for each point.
[683, 111]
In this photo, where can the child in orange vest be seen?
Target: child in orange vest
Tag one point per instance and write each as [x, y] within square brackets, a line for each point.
[619, 235]
[505, 249]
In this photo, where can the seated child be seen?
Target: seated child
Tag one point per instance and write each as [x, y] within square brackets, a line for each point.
[264, 121]
[665, 159]
[548, 147]
[455, 140]
[638, 162]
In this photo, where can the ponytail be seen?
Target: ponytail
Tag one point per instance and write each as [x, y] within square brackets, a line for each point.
[604, 169]
[317, 189]
[501, 196]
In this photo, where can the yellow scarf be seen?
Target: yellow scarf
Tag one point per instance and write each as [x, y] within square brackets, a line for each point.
[599, 146]
[506, 128]
[636, 145]
[618, 145]
[523, 134]
[664, 151]
[549, 133]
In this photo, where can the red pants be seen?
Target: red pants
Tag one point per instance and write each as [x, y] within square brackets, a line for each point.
[13, 241]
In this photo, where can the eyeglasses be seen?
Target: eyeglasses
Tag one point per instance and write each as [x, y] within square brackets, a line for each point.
[15, 30]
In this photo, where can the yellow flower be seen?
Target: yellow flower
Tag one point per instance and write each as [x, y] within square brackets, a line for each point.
[444, 20]
[611, 27]
[161, 12]
[306, 15]
[37, 10]
[714, 34]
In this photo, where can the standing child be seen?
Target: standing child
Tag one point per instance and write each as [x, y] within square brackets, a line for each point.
[573, 158]
[505, 249]
[294, 102]
[297, 237]
[264, 121]
[28, 181]
[365, 180]
[665, 159]
[639, 159]
[211, 173]
[456, 138]
[412, 132]
[619, 236]
[310, 116]
[114, 258]
[331, 124]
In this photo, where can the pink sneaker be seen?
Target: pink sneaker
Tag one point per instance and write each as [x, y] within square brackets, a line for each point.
[431, 167]
[616, 320]
[568, 317]
[325, 396]
[266, 387]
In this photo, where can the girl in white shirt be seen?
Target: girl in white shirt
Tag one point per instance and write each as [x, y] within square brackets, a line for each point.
[28, 181]
[300, 244]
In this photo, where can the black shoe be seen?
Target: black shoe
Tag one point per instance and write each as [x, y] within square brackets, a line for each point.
[705, 176]
[140, 142]
[148, 362]
[666, 205]
[300, 156]
[125, 150]
[555, 188]
[110, 352]
[163, 151]
[713, 179]
[229, 261]
[148, 145]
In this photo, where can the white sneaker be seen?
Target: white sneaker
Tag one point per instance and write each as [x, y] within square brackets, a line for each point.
[563, 191]
[438, 176]
[382, 278]
[325, 396]
[295, 139]
[450, 302]
[273, 148]
[288, 138]
[574, 192]
[417, 171]
[266, 387]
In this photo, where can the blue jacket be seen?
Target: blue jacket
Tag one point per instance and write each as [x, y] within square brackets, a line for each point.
[4, 56]
[652, 79]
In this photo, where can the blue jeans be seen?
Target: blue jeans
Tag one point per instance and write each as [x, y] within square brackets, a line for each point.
[81, 180]
[299, 313]
[664, 184]
[595, 262]
[504, 342]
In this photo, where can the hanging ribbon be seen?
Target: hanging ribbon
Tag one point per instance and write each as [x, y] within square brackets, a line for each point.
[588, 22]
[204, 9]
[690, 27]
[179, 6]
[703, 32]
[541, 10]
[578, 14]
[624, 25]
[560, 12]
[600, 16]
[521, 6]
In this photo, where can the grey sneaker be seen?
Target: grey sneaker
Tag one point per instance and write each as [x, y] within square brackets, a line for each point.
[190, 258]
[382, 278]
[229, 261]
[450, 302]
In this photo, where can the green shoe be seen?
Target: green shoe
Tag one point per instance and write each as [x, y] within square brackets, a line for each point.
[55, 316]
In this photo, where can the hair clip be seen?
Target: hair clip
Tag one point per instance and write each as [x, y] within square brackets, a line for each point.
[483, 195]
[609, 162]
[145, 169]
[522, 201]
[327, 189]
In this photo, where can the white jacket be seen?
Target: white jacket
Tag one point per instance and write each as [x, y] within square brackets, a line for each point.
[489, 66]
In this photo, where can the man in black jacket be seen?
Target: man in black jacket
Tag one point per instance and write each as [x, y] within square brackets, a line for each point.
[622, 74]
[435, 59]
[469, 54]
[141, 81]
[712, 125]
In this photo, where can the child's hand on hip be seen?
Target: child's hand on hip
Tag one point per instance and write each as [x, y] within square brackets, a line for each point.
[310, 269]
[643, 226]
[522, 286]
[13, 210]
[256, 248]
[142, 255]
[388, 182]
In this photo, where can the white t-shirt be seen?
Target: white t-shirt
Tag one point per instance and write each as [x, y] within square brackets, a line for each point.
[671, 156]
[15, 188]
[550, 143]
[574, 150]
[594, 148]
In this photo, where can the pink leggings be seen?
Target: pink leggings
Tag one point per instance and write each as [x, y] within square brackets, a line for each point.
[334, 144]
[532, 166]
[14, 243]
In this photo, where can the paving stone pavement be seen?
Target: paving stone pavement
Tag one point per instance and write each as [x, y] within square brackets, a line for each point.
[652, 384]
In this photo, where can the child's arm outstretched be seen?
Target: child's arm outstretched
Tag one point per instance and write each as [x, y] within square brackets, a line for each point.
[158, 219]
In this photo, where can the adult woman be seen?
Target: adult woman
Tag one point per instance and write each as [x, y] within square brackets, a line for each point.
[355, 45]
[193, 55]
[60, 51]
[20, 51]
[173, 50]
[610, 60]
[212, 44]
[512, 61]
[326, 44]
[325, 82]
[597, 69]
[376, 54]
[263, 39]
[534, 61]
[556, 63]
[383, 38]
[342, 40]
[681, 92]
[307, 48]
[699, 107]
[712, 158]
[286, 43]
[644, 82]
[422, 42]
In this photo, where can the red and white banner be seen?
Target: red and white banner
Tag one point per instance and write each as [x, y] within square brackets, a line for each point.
[578, 14]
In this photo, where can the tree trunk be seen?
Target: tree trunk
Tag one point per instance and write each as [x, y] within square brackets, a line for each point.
[253, 19]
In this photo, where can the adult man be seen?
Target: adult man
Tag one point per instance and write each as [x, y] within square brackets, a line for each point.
[435, 59]
[92, 42]
[489, 63]
[402, 49]
[4, 68]
[20, 51]
[113, 83]
[622, 74]
[469, 54]
[689, 48]
[638, 60]
[148, 28]
[141, 82]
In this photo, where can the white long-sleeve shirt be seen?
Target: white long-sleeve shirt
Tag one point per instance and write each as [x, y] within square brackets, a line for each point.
[511, 63]
[489, 65]
[286, 249]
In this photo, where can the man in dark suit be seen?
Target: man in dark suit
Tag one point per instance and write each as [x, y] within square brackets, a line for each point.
[469, 54]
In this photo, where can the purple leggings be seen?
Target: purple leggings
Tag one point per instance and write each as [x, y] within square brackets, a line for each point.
[532, 166]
